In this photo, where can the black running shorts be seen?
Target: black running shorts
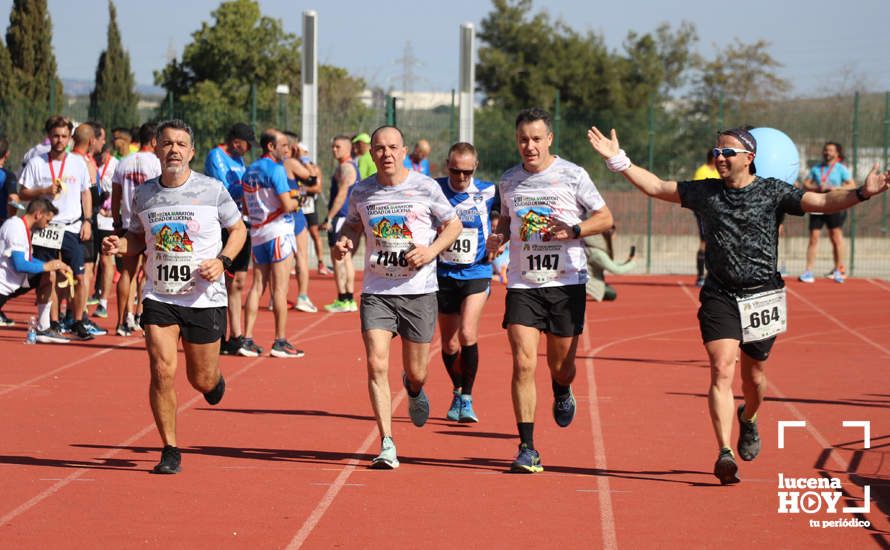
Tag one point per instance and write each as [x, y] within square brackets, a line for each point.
[197, 325]
[718, 317]
[452, 292]
[557, 310]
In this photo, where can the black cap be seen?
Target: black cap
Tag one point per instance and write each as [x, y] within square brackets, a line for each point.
[242, 131]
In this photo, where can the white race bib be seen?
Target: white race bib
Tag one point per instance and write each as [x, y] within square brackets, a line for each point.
[174, 272]
[463, 249]
[388, 258]
[763, 315]
[49, 237]
[542, 262]
[308, 205]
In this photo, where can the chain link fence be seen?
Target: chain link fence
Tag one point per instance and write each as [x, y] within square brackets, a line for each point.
[664, 139]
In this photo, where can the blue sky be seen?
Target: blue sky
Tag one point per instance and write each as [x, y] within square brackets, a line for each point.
[824, 45]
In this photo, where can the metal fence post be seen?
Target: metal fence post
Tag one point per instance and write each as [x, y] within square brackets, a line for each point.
[886, 139]
[557, 123]
[651, 161]
[855, 177]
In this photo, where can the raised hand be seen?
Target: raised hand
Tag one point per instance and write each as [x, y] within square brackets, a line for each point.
[876, 182]
[607, 147]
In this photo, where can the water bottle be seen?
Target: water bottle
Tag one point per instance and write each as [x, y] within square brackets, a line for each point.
[31, 337]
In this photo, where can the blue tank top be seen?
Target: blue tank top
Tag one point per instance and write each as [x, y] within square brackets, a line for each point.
[299, 217]
[335, 187]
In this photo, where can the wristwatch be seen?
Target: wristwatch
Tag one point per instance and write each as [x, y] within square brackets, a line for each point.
[860, 196]
[226, 261]
[576, 230]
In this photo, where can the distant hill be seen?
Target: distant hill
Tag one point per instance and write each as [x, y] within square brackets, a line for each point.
[77, 87]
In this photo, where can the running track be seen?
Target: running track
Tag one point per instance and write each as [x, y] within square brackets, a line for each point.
[282, 461]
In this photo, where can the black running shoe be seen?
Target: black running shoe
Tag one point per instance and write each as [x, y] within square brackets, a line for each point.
[215, 395]
[749, 439]
[80, 331]
[170, 460]
[726, 468]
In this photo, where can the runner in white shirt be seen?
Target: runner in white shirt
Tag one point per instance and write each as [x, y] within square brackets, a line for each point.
[105, 227]
[547, 205]
[65, 179]
[133, 170]
[177, 221]
[399, 212]
[19, 271]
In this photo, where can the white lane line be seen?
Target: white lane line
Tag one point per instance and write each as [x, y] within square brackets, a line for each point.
[834, 320]
[14, 387]
[880, 284]
[120, 447]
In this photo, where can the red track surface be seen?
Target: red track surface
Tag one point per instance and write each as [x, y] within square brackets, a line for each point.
[282, 461]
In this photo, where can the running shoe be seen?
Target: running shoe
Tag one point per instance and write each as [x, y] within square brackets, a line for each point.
[137, 323]
[283, 348]
[699, 282]
[63, 326]
[80, 331]
[387, 459]
[93, 328]
[351, 305]
[807, 277]
[170, 461]
[419, 406]
[52, 336]
[100, 312]
[305, 304]
[726, 468]
[324, 271]
[215, 395]
[749, 439]
[454, 411]
[528, 461]
[338, 306]
[564, 409]
[467, 414]
[5, 321]
[231, 346]
[123, 330]
[839, 277]
[249, 349]
[92, 300]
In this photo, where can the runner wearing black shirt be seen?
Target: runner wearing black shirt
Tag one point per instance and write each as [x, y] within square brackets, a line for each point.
[742, 301]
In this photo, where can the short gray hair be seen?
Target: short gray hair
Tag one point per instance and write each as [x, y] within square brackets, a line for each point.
[175, 124]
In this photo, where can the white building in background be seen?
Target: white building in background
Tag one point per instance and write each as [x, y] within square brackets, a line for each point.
[408, 100]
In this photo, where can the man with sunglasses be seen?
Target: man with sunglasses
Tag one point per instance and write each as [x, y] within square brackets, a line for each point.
[742, 300]
[464, 274]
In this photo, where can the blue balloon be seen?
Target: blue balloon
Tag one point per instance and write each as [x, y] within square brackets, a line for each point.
[777, 156]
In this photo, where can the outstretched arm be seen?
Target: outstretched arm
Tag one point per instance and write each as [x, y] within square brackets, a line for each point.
[841, 199]
[617, 161]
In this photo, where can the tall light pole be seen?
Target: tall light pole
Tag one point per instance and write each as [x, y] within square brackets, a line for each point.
[467, 82]
[309, 78]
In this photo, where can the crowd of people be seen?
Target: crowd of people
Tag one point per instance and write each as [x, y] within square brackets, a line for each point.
[181, 244]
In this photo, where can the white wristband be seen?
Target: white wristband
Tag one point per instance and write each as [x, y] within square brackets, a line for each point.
[618, 163]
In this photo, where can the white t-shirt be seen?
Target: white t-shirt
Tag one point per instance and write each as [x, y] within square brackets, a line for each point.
[182, 228]
[132, 171]
[563, 191]
[75, 180]
[105, 175]
[394, 218]
[13, 238]
[37, 150]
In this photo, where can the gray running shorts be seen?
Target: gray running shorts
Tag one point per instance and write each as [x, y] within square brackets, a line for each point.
[411, 316]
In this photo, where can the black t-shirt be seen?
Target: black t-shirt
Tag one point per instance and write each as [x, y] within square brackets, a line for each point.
[8, 186]
[741, 226]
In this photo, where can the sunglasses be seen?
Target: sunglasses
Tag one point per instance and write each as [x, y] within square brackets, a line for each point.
[727, 151]
[456, 172]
